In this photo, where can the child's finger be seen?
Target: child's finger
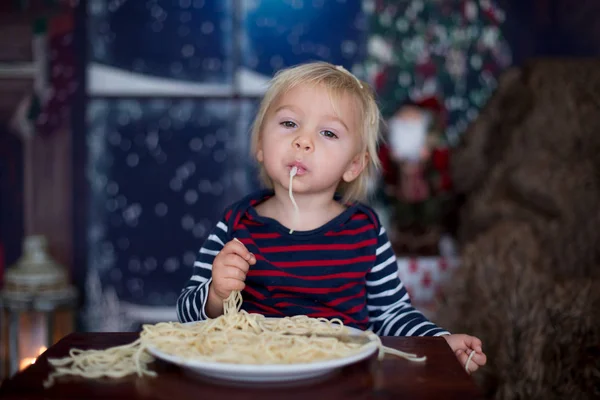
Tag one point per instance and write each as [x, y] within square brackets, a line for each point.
[237, 247]
[474, 343]
[480, 359]
[472, 367]
[474, 361]
[234, 260]
[234, 284]
[462, 356]
[245, 253]
[234, 273]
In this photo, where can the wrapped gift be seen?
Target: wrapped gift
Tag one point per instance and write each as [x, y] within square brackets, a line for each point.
[424, 278]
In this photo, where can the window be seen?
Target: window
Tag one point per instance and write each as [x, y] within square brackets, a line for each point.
[171, 91]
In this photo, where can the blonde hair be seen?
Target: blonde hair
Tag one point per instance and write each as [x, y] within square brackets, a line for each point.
[338, 81]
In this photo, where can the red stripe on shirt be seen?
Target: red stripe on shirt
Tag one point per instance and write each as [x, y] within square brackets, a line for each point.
[341, 300]
[318, 247]
[332, 303]
[320, 263]
[263, 307]
[290, 295]
[254, 293]
[273, 235]
[355, 309]
[237, 219]
[340, 275]
[298, 289]
[372, 216]
[240, 227]
[351, 232]
[252, 223]
[320, 312]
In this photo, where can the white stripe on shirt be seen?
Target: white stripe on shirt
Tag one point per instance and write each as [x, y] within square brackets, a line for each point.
[198, 278]
[203, 265]
[211, 252]
[386, 293]
[222, 226]
[195, 306]
[383, 248]
[382, 280]
[384, 264]
[215, 238]
[391, 309]
[204, 294]
[415, 328]
[398, 318]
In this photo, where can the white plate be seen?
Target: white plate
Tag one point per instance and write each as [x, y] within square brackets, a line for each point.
[266, 373]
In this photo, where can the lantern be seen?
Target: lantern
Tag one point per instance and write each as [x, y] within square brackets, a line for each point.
[35, 289]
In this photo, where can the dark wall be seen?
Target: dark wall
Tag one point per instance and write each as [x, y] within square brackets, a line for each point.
[11, 202]
[552, 28]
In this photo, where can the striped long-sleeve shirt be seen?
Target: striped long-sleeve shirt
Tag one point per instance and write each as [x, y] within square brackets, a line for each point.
[345, 269]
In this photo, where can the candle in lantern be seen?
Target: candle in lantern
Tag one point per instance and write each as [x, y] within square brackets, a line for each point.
[27, 361]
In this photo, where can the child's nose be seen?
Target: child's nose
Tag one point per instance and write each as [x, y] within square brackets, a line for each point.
[303, 143]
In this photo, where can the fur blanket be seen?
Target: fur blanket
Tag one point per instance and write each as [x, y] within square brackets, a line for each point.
[529, 286]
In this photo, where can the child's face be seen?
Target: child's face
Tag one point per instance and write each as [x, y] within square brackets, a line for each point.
[302, 129]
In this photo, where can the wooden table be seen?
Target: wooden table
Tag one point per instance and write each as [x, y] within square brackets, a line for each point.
[441, 377]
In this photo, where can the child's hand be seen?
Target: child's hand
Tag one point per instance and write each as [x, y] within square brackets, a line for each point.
[229, 269]
[462, 346]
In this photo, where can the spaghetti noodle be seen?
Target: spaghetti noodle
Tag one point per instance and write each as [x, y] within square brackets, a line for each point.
[293, 173]
[469, 361]
[235, 337]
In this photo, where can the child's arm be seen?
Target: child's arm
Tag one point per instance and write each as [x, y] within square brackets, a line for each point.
[390, 310]
[191, 304]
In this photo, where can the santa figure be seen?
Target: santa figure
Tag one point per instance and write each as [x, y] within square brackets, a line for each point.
[416, 176]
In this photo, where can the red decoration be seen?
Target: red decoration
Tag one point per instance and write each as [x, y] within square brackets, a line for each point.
[426, 281]
[380, 80]
[440, 158]
[413, 266]
[443, 265]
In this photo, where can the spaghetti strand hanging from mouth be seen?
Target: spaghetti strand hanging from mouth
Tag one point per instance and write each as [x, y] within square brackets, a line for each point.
[293, 173]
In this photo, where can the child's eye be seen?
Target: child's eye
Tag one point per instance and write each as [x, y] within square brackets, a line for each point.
[329, 134]
[288, 124]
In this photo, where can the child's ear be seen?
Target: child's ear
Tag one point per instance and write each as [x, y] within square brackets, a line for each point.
[259, 156]
[357, 165]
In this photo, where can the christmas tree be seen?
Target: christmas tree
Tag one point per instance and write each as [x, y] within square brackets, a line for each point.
[451, 50]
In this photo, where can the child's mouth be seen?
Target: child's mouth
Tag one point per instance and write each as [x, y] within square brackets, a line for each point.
[301, 168]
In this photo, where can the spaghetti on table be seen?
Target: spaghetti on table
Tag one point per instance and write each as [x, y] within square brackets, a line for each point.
[235, 337]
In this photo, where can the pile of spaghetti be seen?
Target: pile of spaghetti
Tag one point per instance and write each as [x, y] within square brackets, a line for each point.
[235, 337]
